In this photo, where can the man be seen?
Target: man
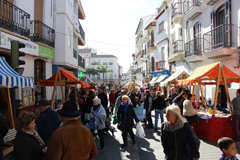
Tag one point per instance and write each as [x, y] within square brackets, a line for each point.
[117, 93]
[158, 104]
[72, 140]
[235, 105]
[148, 106]
[48, 121]
[132, 96]
[119, 101]
[172, 95]
[103, 97]
[142, 94]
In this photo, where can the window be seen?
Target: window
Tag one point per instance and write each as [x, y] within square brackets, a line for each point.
[110, 68]
[173, 37]
[161, 27]
[110, 76]
[39, 74]
[93, 62]
[98, 61]
[69, 38]
[197, 39]
[74, 53]
[104, 62]
[86, 55]
[110, 62]
[153, 62]
[87, 63]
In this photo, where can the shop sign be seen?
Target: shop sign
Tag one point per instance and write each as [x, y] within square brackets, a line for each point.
[30, 47]
[46, 52]
[158, 74]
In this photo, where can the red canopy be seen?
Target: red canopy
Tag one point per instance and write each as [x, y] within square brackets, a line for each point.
[84, 84]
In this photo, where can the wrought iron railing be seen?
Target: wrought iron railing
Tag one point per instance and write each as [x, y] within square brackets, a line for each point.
[220, 36]
[42, 33]
[81, 61]
[177, 9]
[193, 47]
[14, 19]
[82, 33]
[189, 4]
[177, 46]
[150, 44]
[75, 53]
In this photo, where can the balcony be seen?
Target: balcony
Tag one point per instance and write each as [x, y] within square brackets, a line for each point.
[42, 33]
[218, 41]
[150, 45]
[209, 2]
[177, 46]
[82, 33]
[14, 19]
[81, 62]
[140, 35]
[161, 65]
[193, 47]
[177, 16]
[191, 9]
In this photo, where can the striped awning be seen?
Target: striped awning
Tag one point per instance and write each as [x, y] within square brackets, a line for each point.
[10, 78]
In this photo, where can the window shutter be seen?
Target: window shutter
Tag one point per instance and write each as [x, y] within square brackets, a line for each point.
[212, 17]
[228, 27]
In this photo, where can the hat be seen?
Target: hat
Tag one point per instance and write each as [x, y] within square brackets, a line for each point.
[69, 109]
[42, 102]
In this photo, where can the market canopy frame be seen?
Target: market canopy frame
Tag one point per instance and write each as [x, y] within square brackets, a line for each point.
[172, 79]
[217, 72]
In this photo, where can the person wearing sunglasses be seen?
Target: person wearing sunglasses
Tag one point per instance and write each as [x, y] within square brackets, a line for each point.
[125, 116]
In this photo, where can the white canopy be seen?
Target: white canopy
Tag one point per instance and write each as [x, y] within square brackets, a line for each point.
[153, 80]
[173, 77]
[161, 78]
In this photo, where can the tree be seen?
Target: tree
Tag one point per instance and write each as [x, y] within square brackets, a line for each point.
[103, 69]
[90, 71]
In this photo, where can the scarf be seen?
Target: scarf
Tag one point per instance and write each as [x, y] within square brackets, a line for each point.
[224, 157]
[35, 135]
[96, 107]
[125, 107]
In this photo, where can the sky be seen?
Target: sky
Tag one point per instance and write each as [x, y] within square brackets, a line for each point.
[110, 26]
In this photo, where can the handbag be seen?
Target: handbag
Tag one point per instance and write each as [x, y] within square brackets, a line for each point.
[87, 116]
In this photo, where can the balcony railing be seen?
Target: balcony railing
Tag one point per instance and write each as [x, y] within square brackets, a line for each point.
[177, 46]
[82, 33]
[177, 9]
[189, 4]
[74, 53]
[193, 47]
[14, 19]
[161, 65]
[150, 44]
[42, 33]
[220, 36]
[81, 62]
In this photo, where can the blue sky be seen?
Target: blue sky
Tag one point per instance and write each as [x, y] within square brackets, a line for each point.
[115, 22]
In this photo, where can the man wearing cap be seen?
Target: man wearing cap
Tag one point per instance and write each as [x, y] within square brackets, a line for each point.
[72, 140]
[48, 120]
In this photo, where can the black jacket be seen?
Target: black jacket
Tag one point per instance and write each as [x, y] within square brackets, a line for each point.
[173, 141]
[27, 147]
[158, 103]
[133, 99]
[171, 97]
[87, 106]
[104, 100]
[130, 114]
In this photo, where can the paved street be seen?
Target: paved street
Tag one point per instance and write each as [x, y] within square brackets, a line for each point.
[149, 148]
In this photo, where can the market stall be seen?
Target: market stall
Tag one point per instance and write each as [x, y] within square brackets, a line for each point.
[173, 78]
[131, 84]
[10, 79]
[215, 125]
[153, 80]
[58, 79]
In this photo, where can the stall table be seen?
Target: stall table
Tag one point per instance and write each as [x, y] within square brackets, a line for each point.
[213, 127]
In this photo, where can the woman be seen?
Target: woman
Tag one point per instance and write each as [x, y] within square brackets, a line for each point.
[188, 110]
[97, 120]
[173, 136]
[28, 144]
[179, 100]
[112, 99]
[125, 116]
[87, 106]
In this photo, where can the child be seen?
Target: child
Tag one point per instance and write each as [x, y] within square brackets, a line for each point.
[228, 149]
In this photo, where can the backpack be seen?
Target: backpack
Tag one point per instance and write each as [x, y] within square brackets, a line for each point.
[3, 125]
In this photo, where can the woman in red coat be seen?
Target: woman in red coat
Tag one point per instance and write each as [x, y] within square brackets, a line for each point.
[112, 99]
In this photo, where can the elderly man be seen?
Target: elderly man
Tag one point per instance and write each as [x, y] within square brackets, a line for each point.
[72, 140]
[235, 105]
[172, 95]
[48, 121]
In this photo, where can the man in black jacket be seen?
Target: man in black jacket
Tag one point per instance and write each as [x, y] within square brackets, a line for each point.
[158, 104]
[117, 93]
[103, 97]
[132, 96]
[172, 95]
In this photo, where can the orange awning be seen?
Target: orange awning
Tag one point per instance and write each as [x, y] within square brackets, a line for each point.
[65, 74]
[209, 72]
[84, 84]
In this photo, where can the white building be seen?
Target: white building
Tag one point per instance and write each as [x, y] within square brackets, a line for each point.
[126, 77]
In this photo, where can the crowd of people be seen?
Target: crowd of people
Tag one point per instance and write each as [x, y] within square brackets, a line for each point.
[55, 134]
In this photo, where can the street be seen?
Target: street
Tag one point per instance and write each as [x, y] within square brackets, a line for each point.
[149, 147]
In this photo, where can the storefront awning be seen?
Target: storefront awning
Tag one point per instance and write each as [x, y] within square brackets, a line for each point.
[210, 72]
[161, 78]
[10, 78]
[153, 80]
[173, 77]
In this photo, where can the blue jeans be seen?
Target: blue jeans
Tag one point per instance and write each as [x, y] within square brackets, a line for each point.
[157, 112]
[149, 119]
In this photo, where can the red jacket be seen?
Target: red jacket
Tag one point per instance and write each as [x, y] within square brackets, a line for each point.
[112, 98]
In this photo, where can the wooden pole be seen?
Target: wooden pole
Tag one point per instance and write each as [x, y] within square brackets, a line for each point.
[226, 89]
[67, 88]
[9, 106]
[216, 92]
[61, 86]
[76, 98]
[193, 89]
[54, 87]
[203, 101]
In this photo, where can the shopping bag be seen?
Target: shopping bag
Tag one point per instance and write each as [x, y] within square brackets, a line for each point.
[139, 110]
[141, 116]
[140, 131]
[115, 120]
